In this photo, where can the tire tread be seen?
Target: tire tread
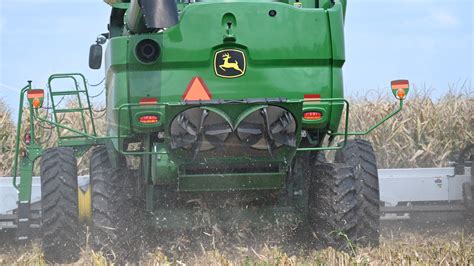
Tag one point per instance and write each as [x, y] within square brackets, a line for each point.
[360, 155]
[62, 232]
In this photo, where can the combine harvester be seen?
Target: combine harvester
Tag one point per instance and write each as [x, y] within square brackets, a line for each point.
[226, 101]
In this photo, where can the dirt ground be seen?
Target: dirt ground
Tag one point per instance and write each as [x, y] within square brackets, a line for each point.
[418, 241]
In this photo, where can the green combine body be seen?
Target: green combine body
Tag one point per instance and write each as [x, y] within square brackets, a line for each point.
[285, 56]
[219, 99]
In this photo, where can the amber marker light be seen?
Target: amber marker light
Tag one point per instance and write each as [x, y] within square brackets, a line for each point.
[36, 97]
[400, 88]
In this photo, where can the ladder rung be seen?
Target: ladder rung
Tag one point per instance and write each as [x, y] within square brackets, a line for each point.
[64, 93]
[72, 137]
[72, 110]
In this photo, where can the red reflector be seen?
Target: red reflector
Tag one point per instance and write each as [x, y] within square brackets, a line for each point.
[312, 115]
[400, 84]
[197, 90]
[37, 93]
[145, 101]
[312, 97]
[149, 119]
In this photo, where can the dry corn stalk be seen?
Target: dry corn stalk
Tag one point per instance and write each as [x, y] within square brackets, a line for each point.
[427, 133]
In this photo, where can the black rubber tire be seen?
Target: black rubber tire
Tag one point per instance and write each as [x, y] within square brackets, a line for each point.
[359, 154]
[115, 216]
[105, 203]
[468, 192]
[63, 234]
[332, 204]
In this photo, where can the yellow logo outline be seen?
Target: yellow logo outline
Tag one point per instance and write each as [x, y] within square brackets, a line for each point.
[229, 64]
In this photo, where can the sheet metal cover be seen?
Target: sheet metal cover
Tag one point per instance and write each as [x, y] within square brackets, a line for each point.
[159, 14]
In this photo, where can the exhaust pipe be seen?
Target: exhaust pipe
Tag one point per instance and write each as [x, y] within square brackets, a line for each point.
[151, 15]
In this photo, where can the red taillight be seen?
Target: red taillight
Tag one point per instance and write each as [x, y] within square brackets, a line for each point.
[312, 116]
[149, 119]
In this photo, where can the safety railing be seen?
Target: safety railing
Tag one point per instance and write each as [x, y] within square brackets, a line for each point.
[346, 133]
[93, 139]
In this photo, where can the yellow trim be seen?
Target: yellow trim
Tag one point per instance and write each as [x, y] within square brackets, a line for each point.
[84, 204]
[233, 50]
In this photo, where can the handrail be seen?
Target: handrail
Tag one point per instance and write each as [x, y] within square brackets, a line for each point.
[76, 83]
[346, 133]
[376, 125]
[353, 133]
[18, 131]
[34, 115]
[346, 125]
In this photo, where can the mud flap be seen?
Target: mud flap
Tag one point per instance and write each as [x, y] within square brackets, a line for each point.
[84, 200]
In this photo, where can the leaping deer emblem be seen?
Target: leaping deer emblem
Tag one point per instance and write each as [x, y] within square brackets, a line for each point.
[228, 65]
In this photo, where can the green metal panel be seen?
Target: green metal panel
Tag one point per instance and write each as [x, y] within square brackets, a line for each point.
[336, 23]
[164, 170]
[26, 173]
[288, 55]
[231, 182]
[326, 4]
[275, 68]
[116, 85]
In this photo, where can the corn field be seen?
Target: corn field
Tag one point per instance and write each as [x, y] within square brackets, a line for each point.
[427, 133]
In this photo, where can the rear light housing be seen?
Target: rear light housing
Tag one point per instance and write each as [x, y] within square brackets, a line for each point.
[149, 119]
[35, 97]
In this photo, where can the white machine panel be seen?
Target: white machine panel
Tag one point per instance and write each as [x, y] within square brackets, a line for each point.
[421, 184]
[9, 195]
[396, 185]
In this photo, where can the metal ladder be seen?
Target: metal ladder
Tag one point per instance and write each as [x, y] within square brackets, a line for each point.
[77, 78]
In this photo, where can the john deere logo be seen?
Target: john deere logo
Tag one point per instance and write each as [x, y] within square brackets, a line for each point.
[229, 63]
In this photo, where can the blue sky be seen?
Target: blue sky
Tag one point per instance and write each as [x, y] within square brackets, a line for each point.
[429, 42]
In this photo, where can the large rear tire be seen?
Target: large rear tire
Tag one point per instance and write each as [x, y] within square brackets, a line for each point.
[332, 204]
[114, 216]
[105, 181]
[360, 155]
[63, 235]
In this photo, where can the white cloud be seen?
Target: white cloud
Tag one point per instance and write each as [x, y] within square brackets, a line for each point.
[445, 18]
[7, 87]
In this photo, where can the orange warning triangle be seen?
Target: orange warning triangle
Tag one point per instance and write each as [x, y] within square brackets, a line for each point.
[197, 90]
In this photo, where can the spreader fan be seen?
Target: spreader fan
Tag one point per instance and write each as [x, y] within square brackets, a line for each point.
[199, 130]
[268, 128]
